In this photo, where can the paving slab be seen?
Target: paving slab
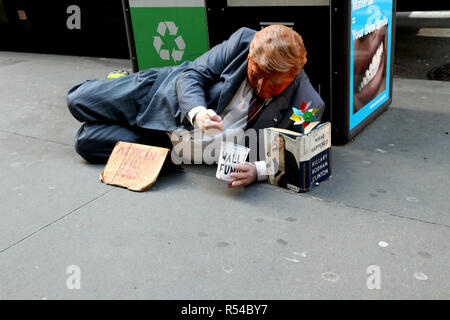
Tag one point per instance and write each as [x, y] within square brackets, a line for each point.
[39, 184]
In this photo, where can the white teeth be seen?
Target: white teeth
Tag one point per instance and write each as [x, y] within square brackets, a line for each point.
[373, 68]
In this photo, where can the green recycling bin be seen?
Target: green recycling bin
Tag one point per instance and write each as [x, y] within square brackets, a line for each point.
[165, 32]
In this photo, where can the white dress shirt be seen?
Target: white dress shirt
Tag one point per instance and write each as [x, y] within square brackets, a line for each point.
[234, 119]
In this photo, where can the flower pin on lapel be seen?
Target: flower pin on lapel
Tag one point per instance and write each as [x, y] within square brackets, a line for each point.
[304, 115]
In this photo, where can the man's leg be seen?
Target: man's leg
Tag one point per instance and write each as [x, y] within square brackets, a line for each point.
[112, 100]
[95, 141]
[109, 108]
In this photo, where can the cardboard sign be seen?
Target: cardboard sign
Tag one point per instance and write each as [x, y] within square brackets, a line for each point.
[134, 166]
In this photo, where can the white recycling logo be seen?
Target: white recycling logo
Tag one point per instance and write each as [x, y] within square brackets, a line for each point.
[178, 50]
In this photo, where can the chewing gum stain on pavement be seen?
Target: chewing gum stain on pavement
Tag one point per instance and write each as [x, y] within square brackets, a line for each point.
[420, 276]
[301, 254]
[282, 242]
[425, 254]
[222, 244]
[412, 199]
[383, 244]
[227, 269]
[330, 276]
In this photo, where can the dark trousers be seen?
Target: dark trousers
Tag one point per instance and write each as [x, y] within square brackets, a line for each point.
[108, 109]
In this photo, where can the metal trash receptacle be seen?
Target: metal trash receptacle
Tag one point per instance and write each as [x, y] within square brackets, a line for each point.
[349, 44]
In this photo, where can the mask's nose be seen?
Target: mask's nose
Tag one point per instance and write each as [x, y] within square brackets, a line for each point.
[260, 84]
[261, 89]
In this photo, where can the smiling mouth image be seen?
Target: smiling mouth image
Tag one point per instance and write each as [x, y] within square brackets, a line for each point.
[372, 70]
[369, 67]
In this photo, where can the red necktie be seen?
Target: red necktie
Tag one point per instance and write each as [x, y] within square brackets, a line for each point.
[254, 110]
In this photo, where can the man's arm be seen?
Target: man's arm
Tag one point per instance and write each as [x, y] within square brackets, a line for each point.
[206, 70]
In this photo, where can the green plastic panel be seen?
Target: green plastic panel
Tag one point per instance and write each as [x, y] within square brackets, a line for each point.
[167, 36]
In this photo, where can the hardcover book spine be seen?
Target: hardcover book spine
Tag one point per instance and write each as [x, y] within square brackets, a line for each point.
[305, 175]
[320, 166]
[315, 170]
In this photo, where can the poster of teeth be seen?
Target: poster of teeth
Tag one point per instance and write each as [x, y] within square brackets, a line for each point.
[370, 57]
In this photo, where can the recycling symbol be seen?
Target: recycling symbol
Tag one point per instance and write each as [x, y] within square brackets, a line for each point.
[170, 28]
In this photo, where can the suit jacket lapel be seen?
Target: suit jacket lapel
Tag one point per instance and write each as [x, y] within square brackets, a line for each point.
[272, 116]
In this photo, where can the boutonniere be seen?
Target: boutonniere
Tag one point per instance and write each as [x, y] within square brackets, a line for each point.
[304, 115]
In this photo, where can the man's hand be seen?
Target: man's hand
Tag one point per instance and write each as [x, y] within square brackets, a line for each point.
[247, 175]
[208, 120]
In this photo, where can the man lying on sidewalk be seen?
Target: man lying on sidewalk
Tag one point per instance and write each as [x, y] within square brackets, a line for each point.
[250, 81]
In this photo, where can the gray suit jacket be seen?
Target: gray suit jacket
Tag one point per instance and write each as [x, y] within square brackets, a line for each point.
[211, 81]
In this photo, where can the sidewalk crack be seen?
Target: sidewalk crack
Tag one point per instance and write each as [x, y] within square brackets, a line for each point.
[36, 138]
[55, 221]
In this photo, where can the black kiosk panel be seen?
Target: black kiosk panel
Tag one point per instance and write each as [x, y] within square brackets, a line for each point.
[310, 18]
[335, 59]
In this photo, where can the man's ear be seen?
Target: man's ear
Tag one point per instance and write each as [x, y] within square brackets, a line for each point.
[301, 67]
[250, 60]
[304, 62]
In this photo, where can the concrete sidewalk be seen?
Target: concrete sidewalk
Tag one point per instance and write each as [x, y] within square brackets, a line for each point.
[189, 237]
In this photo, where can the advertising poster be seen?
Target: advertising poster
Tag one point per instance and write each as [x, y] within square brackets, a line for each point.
[370, 57]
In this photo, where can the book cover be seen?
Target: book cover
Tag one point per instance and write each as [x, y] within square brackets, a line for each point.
[298, 161]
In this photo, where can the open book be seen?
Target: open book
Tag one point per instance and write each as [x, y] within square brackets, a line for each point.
[298, 161]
